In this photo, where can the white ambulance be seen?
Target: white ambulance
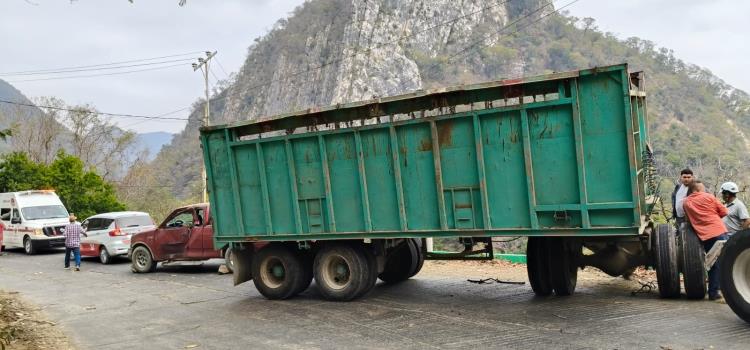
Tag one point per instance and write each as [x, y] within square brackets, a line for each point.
[33, 220]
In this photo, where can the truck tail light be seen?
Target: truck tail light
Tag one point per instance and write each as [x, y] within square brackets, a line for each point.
[117, 232]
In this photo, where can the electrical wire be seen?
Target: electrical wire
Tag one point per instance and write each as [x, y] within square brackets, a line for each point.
[121, 115]
[100, 65]
[98, 69]
[100, 75]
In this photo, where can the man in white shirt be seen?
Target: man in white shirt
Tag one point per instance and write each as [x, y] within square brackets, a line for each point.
[678, 196]
[738, 218]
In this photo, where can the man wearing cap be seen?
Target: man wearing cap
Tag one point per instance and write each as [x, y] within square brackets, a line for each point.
[72, 233]
[738, 218]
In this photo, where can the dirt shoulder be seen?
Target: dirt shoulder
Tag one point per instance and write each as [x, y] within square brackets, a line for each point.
[24, 327]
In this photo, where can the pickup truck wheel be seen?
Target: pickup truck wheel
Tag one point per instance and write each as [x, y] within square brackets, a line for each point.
[401, 263]
[537, 266]
[104, 256]
[142, 261]
[277, 272]
[734, 264]
[341, 271]
[563, 267]
[420, 256]
[228, 262]
[693, 268]
[664, 249]
[28, 246]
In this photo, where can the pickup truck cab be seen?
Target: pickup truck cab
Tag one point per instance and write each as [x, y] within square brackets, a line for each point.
[185, 235]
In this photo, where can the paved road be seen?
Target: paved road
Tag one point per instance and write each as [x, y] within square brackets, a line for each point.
[108, 307]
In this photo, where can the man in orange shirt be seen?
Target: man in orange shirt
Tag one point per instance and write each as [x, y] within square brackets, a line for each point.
[705, 212]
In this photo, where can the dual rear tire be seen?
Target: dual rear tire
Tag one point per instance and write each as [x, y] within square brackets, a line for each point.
[342, 271]
[552, 265]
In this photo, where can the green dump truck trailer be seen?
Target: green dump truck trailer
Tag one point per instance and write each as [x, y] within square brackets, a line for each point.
[348, 193]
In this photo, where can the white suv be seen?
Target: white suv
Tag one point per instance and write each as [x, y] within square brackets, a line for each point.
[109, 233]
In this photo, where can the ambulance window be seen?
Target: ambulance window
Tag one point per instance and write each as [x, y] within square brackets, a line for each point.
[5, 214]
[16, 214]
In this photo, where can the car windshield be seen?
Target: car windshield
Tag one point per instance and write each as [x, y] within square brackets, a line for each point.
[134, 221]
[44, 212]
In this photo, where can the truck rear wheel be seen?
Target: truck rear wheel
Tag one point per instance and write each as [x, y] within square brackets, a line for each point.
[734, 264]
[563, 267]
[401, 263]
[693, 268]
[277, 272]
[342, 271]
[420, 257]
[537, 266]
[664, 248]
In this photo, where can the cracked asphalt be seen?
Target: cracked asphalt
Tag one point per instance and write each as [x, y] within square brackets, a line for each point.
[192, 307]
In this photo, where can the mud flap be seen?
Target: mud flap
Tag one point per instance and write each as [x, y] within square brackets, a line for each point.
[242, 259]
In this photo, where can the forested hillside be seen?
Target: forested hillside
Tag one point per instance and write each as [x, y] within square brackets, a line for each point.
[333, 51]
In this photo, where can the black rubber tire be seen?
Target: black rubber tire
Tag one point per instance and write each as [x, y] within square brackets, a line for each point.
[537, 266]
[372, 271]
[307, 272]
[693, 268]
[735, 273]
[342, 285]
[228, 262]
[563, 269]
[401, 263]
[420, 256]
[664, 249]
[28, 246]
[266, 263]
[104, 256]
[142, 261]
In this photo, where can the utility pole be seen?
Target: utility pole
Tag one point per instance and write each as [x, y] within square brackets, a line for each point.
[203, 66]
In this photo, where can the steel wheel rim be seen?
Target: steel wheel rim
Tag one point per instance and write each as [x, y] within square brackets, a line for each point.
[273, 272]
[741, 274]
[140, 258]
[336, 272]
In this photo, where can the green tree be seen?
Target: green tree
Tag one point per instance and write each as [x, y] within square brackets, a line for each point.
[82, 191]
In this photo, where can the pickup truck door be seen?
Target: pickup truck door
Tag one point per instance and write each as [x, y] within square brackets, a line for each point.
[173, 235]
[206, 234]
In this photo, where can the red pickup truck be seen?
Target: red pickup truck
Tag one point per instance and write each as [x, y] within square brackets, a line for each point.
[185, 235]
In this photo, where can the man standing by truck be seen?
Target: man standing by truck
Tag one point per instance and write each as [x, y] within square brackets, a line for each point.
[72, 233]
[738, 218]
[705, 212]
[678, 196]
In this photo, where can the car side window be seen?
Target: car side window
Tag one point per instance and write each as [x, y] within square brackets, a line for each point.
[201, 217]
[94, 224]
[85, 225]
[16, 214]
[182, 219]
[5, 214]
[106, 223]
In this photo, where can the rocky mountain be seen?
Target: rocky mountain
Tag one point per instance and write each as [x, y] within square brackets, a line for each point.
[334, 51]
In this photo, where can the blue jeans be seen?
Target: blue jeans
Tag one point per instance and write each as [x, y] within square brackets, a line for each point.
[76, 253]
[713, 273]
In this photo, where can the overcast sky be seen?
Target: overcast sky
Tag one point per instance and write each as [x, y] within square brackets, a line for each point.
[43, 34]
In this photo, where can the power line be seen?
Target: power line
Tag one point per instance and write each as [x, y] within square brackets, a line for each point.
[100, 75]
[222, 67]
[121, 115]
[98, 69]
[102, 64]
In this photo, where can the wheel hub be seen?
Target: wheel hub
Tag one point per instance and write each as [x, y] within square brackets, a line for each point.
[741, 274]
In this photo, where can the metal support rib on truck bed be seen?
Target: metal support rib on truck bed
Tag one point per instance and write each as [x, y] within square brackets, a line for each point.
[550, 155]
